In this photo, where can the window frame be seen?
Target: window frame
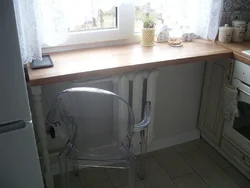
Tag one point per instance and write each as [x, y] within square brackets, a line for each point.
[124, 30]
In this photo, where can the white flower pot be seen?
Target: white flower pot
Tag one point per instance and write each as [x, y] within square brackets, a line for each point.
[148, 35]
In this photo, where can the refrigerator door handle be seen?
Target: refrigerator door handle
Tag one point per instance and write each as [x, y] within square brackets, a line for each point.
[8, 127]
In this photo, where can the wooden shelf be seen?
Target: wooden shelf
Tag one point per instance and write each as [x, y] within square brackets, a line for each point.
[108, 61]
[237, 49]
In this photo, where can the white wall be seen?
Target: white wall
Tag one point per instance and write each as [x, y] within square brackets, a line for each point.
[48, 91]
[177, 103]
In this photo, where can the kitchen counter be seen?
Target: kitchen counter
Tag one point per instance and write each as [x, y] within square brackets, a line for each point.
[237, 49]
[106, 61]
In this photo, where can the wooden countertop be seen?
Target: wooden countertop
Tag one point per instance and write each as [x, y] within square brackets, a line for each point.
[107, 61]
[237, 49]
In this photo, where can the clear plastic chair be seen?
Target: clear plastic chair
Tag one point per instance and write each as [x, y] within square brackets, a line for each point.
[98, 126]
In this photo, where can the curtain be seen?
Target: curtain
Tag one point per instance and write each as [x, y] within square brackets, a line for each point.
[28, 26]
[47, 22]
[197, 16]
[215, 18]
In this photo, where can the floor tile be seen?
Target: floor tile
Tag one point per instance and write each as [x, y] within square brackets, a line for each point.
[172, 163]
[190, 181]
[186, 147]
[239, 178]
[119, 177]
[214, 176]
[74, 181]
[212, 153]
[91, 176]
[156, 177]
[191, 165]
[138, 184]
[151, 154]
[106, 184]
[139, 157]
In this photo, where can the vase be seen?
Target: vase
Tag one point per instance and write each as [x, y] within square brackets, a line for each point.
[148, 35]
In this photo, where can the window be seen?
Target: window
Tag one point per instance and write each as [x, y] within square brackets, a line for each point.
[156, 11]
[105, 19]
[80, 22]
[169, 13]
[91, 21]
[57, 23]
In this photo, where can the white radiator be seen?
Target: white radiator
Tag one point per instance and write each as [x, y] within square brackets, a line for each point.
[140, 85]
[133, 87]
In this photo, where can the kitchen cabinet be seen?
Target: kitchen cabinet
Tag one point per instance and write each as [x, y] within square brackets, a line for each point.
[217, 74]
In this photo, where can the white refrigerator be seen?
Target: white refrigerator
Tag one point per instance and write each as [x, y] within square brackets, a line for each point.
[19, 161]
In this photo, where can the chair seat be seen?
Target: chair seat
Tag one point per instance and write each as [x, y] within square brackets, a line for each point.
[106, 156]
[107, 152]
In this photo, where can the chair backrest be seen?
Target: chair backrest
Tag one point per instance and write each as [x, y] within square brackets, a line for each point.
[92, 121]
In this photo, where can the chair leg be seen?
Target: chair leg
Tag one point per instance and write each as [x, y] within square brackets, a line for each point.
[63, 164]
[131, 174]
[75, 168]
[142, 167]
[75, 164]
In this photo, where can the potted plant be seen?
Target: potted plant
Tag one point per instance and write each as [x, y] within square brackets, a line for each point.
[148, 31]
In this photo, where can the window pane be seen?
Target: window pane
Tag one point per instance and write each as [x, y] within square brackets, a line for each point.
[103, 19]
[165, 12]
[142, 9]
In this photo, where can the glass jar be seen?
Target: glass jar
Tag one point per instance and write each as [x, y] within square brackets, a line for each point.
[225, 33]
[239, 28]
[175, 37]
[247, 32]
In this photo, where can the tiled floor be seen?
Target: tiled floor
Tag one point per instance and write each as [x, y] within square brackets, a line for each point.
[190, 165]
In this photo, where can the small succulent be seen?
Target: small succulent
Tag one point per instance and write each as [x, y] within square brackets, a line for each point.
[148, 21]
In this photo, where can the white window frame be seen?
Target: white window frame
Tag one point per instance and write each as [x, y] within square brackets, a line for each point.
[124, 30]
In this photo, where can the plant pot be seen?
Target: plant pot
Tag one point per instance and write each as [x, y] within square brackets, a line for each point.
[148, 35]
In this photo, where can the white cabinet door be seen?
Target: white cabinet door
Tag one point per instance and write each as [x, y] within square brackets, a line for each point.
[217, 74]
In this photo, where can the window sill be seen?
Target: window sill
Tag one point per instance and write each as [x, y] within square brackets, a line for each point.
[136, 38]
[109, 61]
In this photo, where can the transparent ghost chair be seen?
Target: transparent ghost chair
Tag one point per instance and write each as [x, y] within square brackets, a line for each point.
[98, 126]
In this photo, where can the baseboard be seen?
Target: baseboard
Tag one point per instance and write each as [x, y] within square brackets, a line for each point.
[157, 144]
[171, 141]
[174, 140]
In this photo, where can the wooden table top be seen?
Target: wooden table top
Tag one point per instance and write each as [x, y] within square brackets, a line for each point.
[108, 61]
[237, 49]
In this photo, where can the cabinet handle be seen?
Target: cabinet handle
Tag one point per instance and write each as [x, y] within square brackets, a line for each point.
[229, 71]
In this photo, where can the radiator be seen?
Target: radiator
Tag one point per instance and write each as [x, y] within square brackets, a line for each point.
[137, 88]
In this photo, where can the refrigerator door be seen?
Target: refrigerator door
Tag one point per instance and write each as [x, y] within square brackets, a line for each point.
[14, 104]
[19, 160]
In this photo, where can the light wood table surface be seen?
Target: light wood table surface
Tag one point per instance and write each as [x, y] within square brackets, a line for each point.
[237, 49]
[107, 61]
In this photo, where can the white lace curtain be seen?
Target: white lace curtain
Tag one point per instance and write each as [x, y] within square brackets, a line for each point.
[47, 21]
[29, 29]
[202, 17]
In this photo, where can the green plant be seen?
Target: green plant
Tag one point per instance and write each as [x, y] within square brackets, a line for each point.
[148, 21]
